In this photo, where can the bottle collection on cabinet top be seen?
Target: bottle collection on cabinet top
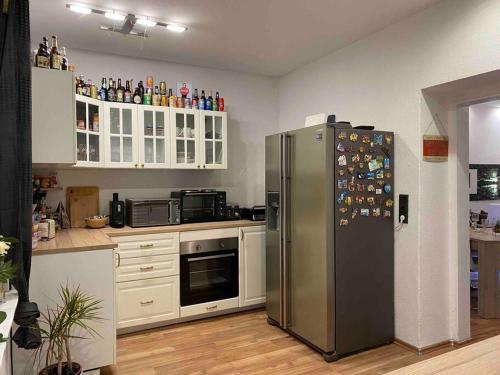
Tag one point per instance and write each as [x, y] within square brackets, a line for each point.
[148, 94]
[52, 58]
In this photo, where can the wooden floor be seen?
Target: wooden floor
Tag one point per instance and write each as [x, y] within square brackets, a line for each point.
[244, 343]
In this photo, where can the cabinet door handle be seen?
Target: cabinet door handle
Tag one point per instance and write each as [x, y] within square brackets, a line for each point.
[119, 259]
[136, 165]
[211, 307]
[204, 166]
[142, 165]
[143, 303]
[198, 166]
[147, 268]
[146, 246]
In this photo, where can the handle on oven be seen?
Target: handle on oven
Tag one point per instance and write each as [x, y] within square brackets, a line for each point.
[210, 257]
[200, 193]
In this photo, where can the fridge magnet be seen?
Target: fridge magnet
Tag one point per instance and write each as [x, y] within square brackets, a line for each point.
[365, 212]
[343, 210]
[366, 139]
[376, 212]
[360, 199]
[380, 173]
[355, 158]
[354, 213]
[361, 149]
[348, 201]
[340, 147]
[370, 201]
[368, 158]
[370, 175]
[388, 174]
[350, 169]
[435, 148]
[370, 188]
[361, 175]
[342, 184]
[387, 163]
[378, 191]
[351, 186]
[341, 172]
[377, 139]
[361, 165]
[388, 139]
[344, 222]
[387, 213]
[342, 135]
[380, 183]
[387, 188]
[371, 150]
[389, 203]
[385, 150]
[342, 160]
[374, 165]
[361, 187]
[341, 197]
[353, 137]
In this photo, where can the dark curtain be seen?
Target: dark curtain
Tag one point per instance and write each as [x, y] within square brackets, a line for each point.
[15, 157]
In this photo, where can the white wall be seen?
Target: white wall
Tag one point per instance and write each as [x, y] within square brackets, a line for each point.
[378, 81]
[484, 136]
[252, 105]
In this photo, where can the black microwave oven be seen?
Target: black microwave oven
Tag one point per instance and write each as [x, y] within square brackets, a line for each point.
[197, 206]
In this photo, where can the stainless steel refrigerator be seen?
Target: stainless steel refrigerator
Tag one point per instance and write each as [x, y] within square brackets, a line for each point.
[330, 237]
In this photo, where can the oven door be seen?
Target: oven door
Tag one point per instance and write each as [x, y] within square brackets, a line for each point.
[198, 207]
[210, 276]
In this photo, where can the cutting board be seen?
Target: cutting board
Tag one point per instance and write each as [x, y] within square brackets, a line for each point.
[82, 202]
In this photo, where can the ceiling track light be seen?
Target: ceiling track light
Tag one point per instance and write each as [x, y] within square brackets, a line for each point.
[79, 9]
[176, 28]
[145, 22]
[114, 16]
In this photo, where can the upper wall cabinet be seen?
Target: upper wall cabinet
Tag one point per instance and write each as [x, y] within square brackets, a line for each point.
[154, 136]
[120, 129]
[53, 117]
[89, 132]
[213, 133]
[185, 138]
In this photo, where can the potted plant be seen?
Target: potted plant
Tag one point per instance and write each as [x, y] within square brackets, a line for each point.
[76, 311]
[496, 228]
[7, 269]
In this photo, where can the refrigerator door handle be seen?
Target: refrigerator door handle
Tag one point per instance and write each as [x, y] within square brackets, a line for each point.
[286, 158]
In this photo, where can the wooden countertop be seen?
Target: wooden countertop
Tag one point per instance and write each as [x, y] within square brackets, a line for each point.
[484, 235]
[128, 231]
[82, 239]
[478, 358]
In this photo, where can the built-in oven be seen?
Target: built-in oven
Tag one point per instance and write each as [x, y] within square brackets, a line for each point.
[201, 205]
[209, 270]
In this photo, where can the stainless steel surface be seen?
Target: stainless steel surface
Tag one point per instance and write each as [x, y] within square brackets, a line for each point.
[274, 285]
[210, 257]
[207, 246]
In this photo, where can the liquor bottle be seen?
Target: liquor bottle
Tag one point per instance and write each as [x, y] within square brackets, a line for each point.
[103, 92]
[141, 90]
[64, 60]
[93, 90]
[215, 104]
[194, 101]
[149, 82]
[163, 94]
[119, 91]
[146, 99]
[111, 91]
[55, 57]
[172, 99]
[127, 95]
[209, 101]
[137, 96]
[156, 96]
[42, 58]
[201, 101]
[79, 85]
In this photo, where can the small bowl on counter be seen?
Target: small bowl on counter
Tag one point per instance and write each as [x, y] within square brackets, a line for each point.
[96, 222]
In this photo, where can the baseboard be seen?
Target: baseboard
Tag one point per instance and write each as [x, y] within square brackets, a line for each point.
[433, 347]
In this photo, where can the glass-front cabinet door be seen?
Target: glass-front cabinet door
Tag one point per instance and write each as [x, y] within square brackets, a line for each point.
[121, 135]
[184, 125]
[89, 132]
[213, 140]
[154, 137]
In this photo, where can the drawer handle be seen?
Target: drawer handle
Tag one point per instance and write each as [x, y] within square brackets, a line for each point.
[211, 307]
[143, 303]
[146, 246]
[147, 268]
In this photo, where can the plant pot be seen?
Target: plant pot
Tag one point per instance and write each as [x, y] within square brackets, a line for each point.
[52, 369]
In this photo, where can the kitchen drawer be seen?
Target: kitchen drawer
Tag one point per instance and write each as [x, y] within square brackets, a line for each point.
[208, 234]
[147, 245]
[147, 267]
[147, 301]
[209, 307]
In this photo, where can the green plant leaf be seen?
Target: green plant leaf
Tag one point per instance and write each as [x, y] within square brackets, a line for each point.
[3, 339]
[3, 316]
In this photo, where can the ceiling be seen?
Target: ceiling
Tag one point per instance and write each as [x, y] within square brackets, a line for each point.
[269, 37]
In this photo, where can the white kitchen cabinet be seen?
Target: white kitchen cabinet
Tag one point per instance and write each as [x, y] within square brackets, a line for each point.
[185, 135]
[53, 135]
[213, 140]
[252, 265]
[89, 132]
[121, 135]
[154, 136]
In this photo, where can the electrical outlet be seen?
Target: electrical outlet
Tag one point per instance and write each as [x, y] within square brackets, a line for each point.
[403, 207]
